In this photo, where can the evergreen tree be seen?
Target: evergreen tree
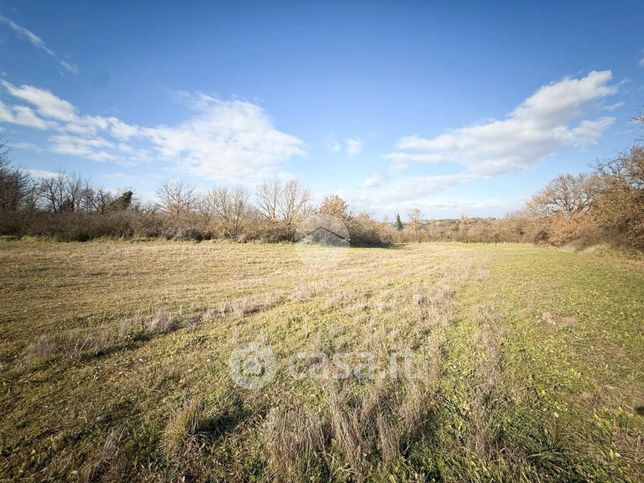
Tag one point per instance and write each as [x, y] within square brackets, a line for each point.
[399, 224]
[122, 202]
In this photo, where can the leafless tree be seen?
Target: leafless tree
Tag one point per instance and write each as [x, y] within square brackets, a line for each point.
[415, 222]
[293, 202]
[16, 187]
[626, 169]
[267, 198]
[415, 216]
[228, 205]
[64, 193]
[100, 200]
[178, 198]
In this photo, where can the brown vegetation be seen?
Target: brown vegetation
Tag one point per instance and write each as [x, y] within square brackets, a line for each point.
[606, 205]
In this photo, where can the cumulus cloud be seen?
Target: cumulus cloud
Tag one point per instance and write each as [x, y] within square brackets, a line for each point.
[227, 139]
[232, 141]
[38, 43]
[541, 125]
[553, 118]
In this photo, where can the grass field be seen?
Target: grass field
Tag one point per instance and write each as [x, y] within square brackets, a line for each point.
[459, 362]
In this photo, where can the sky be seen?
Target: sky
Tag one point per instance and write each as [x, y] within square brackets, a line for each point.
[455, 108]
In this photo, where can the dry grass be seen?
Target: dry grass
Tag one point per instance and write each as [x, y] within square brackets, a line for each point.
[114, 360]
[296, 441]
[349, 434]
[182, 434]
[107, 461]
[248, 305]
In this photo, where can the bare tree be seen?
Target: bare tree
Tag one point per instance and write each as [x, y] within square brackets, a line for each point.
[267, 197]
[626, 169]
[16, 187]
[230, 206]
[100, 200]
[65, 193]
[415, 216]
[293, 202]
[415, 222]
[178, 198]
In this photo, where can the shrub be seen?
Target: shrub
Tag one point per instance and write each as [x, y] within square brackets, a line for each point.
[365, 232]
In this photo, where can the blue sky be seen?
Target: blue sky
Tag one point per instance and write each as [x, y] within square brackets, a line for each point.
[451, 107]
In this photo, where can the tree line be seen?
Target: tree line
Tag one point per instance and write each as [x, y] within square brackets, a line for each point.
[67, 207]
[603, 205]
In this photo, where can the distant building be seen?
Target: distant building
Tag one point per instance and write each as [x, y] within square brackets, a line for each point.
[322, 230]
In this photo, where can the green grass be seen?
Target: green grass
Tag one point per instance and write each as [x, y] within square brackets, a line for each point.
[115, 363]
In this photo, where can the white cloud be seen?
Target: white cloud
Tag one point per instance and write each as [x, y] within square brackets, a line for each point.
[21, 115]
[39, 43]
[587, 132]
[400, 161]
[418, 187]
[27, 147]
[349, 146]
[549, 120]
[612, 107]
[353, 146]
[41, 173]
[538, 127]
[97, 149]
[423, 192]
[232, 141]
[404, 193]
[25, 116]
[228, 140]
[375, 179]
[403, 158]
[46, 103]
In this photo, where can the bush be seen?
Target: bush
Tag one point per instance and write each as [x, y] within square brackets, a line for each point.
[365, 232]
[605, 206]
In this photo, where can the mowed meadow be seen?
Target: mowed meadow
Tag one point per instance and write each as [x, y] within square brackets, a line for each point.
[472, 362]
